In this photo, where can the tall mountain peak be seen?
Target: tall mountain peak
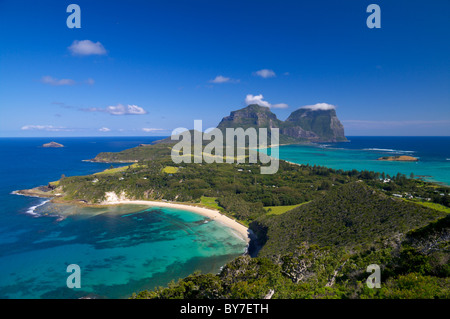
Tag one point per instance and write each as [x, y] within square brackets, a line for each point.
[318, 125]
[253, 115]
[304, 124]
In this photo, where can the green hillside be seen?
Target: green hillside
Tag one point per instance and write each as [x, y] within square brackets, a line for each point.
[351, 215]
[135, 154]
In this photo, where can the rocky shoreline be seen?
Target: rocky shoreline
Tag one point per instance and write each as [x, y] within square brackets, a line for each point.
[40, 191]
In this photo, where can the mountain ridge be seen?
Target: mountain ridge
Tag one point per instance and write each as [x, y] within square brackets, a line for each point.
[302, 125]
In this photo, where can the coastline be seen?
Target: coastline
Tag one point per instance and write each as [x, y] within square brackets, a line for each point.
[108, 162]
[242, 231]
[112, 199]
[215, 215]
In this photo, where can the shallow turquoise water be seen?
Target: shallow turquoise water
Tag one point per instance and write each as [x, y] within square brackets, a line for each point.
[119, 250]
[362, 154]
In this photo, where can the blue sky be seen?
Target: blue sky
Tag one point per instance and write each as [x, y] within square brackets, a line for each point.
[147, 67]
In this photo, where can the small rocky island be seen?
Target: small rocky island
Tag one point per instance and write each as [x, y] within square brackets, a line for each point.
[52, 144]
[402, 158]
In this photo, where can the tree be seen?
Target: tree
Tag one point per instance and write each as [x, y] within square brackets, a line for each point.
[326, 185]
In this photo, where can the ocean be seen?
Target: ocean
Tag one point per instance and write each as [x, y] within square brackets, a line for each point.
[362, 152]
[120, 250]
[125, 249]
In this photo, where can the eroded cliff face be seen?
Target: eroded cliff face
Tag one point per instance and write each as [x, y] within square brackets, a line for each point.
[251, 116]
[316, 125]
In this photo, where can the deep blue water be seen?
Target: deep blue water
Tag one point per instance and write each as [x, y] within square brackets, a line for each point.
[25, 164]
[120, 249]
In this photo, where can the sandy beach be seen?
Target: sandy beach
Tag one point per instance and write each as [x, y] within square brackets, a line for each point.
[240, 229]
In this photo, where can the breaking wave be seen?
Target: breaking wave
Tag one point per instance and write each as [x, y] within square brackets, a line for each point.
[387, 150]
[32, 209]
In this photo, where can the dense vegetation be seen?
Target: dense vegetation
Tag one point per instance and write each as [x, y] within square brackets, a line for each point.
[320, 249]
[140, 153]
[316, 272]
[416, 267]
[347, 216]
[239, 188]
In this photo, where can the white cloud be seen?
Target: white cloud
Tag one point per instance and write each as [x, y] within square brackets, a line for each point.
[149, 129]
[223, 79]
[49, 128]
[319, 107]
[259, 99]
[256, 99]
[265, 73]
[59, 82]
[104, 129]
[119, 109]
[86, 47]
[220, 79]
[56, 82]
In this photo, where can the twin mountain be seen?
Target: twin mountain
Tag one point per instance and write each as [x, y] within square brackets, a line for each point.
[302, 125]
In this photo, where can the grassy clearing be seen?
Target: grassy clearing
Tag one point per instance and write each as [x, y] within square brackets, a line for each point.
[210, 202]
[220, 159]
[278, 210]
[111, 171]
[170, 169]
[435, 206]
